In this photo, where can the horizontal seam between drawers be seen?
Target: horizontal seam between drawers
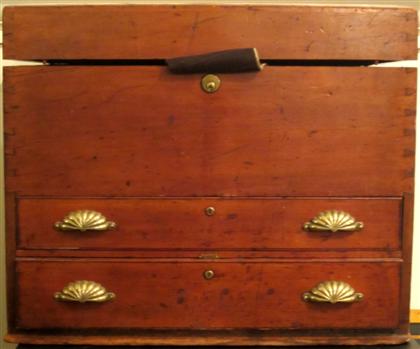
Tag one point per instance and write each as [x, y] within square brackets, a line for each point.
[226, 260]
[53, 197]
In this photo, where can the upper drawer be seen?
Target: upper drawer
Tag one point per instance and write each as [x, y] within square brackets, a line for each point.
[141, 131]
[231, 224]
[149, 32]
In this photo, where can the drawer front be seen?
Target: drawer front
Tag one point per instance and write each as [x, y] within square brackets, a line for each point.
[210, 223]
[140, 131]
[175, 294]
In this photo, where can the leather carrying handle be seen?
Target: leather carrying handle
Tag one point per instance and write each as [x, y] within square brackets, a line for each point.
[228, 61]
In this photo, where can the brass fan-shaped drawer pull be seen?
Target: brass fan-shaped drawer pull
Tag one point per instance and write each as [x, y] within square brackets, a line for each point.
[84, 291]
[333, 221]
[332, 292]
[83, 220]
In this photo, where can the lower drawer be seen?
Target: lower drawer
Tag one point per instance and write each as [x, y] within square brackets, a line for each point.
[207, 294]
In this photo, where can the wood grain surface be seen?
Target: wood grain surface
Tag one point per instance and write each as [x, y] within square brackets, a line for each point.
[140, 131]
[181, 224]
[343, 254]
[242, 294]
[149, 32]
[232, 338]
[407, 249]
[112, 130]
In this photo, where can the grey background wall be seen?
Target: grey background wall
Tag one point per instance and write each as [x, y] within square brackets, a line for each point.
[415, 302]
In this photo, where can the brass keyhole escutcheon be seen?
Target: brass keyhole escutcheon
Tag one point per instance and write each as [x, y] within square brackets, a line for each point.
[208, 274]
[210, 211]
[210, 83]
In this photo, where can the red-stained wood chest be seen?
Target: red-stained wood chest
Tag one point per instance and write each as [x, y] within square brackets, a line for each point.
[142, 209]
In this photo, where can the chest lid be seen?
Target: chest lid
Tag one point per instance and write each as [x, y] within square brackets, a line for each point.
[149, 32]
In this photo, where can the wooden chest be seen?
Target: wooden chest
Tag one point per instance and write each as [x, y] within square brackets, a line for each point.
[265, 207]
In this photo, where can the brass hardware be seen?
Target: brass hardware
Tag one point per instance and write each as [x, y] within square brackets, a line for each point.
[83, 291]
[83, 220]
[209, 256]
[333, 221]
[332, 292]
[210, 83]
[210, 211]
[208, 274]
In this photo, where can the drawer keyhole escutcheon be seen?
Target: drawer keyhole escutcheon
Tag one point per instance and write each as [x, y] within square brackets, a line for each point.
[208, 274]
[84, 291]
[210, 83]
[332, 292]
[210, 211]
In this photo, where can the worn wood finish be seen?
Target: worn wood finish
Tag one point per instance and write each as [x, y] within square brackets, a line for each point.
[152, 294]
[407, 246]
[149, 32]
[210, 338]
[412, 344]
[151, 150]
[306, 131]
[11, 234]
[251, 223]
[344, 254]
